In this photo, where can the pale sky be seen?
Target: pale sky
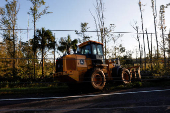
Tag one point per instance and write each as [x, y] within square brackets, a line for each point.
[68, 15]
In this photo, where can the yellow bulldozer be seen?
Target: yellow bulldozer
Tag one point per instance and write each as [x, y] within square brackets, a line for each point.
[89, 67]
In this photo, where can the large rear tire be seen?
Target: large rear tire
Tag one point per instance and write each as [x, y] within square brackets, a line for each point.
[125, 76]
[98, 79]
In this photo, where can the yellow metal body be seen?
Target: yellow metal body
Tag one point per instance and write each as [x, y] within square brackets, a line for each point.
[75, 66]
[74, 70]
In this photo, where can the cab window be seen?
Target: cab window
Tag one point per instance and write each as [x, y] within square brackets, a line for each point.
[100, 49]
[94, 49]
[86, 50]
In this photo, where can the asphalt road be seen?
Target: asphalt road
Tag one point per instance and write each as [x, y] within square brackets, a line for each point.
[142, 100]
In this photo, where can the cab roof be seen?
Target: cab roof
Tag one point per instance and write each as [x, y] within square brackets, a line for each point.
[87, 42]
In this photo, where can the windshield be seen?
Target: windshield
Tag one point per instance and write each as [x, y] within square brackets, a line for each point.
[100, 49]
[97, 49]
[94, 49]
[86, 50]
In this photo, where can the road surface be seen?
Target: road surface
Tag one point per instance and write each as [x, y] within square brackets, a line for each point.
[141, 100]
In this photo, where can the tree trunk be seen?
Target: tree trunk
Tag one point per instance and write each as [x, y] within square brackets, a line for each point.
[148, 41]
[155, 15]
[14, 74]
[163, 40]
[34, 49]
[139, 46]
[151, 54]
[42, 63]
[54, 53]
[148, 47]
[143, 33]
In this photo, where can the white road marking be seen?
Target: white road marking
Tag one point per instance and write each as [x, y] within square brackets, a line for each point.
[80, 96]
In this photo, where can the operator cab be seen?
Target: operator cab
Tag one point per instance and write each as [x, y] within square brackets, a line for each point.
[93, 50]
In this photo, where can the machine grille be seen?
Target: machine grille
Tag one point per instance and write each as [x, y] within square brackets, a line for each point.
[71, 63]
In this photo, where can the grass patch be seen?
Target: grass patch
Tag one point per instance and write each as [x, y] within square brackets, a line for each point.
[113, 86]
[33, 90]
[156, 83]
[40, 90]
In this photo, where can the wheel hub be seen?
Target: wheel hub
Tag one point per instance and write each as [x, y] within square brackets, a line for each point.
[125, 77]
[97, 79]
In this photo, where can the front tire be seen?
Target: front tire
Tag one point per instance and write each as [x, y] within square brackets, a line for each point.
[98, 79]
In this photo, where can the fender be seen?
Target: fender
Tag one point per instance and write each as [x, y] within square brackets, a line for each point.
[115, 70]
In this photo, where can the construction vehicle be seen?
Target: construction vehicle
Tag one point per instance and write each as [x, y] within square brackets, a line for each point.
[88, 66]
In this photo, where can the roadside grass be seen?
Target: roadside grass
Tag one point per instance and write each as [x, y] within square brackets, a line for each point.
[51, 89]
[36, 90]
[138, 84]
